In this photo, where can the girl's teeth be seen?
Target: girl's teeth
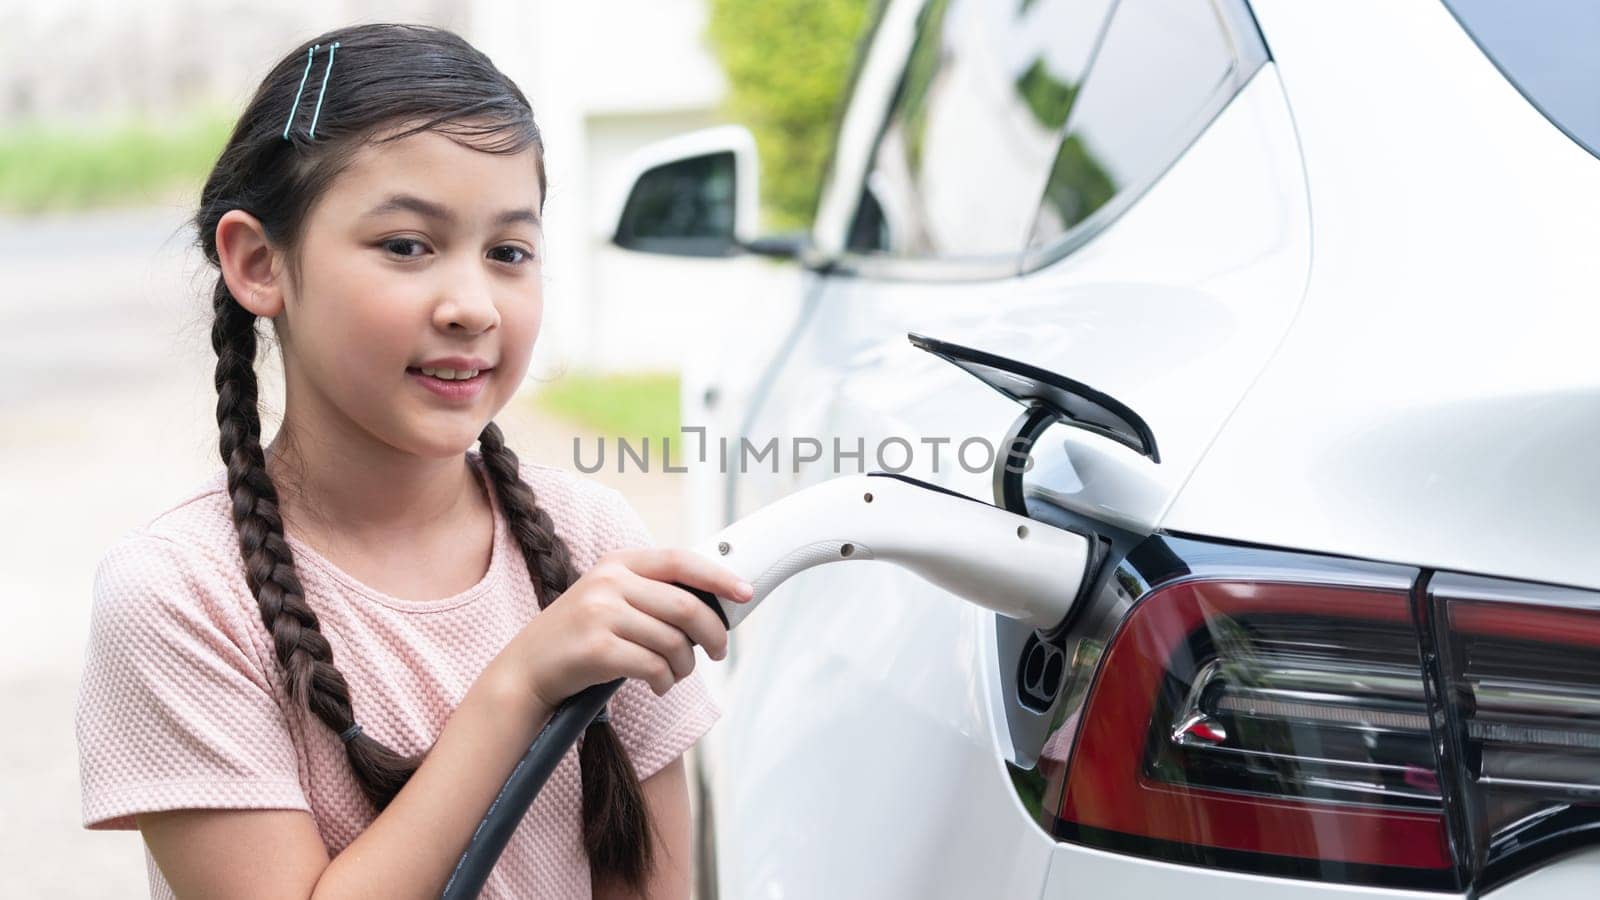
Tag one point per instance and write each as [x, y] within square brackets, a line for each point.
[451, 374]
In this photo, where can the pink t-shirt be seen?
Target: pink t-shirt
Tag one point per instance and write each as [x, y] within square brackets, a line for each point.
[182, 704]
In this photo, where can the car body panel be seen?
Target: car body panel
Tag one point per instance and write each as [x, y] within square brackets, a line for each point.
[1437, 402]
[1084, 872]
[1328, 353]
[858, 697]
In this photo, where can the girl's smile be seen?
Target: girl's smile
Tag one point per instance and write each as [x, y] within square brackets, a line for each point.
[423, 254]
[451, 383]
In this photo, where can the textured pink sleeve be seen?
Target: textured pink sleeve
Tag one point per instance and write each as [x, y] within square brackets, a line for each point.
[654, 730]
[175, 709]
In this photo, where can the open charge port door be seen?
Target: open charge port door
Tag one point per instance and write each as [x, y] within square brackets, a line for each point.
[1042, 675]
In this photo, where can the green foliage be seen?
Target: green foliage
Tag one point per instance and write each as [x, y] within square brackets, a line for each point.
[788, 63]
[1079, 184]
[912, 103]
[629, 406]
[48, 167]
[1049, 98]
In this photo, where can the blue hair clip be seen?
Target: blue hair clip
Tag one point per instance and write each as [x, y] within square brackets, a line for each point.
[297, 91]
[326, 71]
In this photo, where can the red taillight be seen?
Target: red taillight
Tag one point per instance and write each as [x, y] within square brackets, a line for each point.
[1289, 714]
[1275, 726]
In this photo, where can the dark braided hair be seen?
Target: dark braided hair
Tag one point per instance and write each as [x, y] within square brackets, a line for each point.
[389, 75]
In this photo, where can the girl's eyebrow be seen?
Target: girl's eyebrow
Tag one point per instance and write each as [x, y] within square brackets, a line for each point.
[430, 210]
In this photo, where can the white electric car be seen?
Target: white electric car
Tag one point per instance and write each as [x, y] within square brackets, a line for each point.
[1297, 305]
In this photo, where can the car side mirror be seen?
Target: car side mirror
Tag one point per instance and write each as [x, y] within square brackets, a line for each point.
[692, 195]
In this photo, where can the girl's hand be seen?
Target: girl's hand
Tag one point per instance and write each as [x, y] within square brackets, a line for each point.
[623, 618]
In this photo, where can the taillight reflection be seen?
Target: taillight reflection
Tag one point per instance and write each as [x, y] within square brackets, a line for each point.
[1523, 663]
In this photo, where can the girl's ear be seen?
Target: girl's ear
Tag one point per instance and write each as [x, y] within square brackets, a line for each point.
[249, 263]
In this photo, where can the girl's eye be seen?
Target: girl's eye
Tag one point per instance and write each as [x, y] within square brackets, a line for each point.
[518, 255]
[398, 246]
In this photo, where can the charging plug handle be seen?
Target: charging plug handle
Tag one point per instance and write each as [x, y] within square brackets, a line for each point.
[1018, 567]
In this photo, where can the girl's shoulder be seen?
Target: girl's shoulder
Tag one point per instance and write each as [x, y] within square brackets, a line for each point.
[187, 548]
[195, 531]
[200, 518]
[591, 516]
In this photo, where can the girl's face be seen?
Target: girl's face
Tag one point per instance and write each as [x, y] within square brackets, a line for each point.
[421, 249]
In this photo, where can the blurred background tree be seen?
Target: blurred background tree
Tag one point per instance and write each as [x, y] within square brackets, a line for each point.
[788, 62]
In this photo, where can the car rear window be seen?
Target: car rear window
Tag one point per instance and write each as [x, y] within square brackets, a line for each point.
[1548, 49]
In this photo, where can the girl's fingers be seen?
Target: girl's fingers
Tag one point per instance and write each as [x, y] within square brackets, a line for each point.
[676, 606]
[635, 661]
[662, 638]
[676, 564]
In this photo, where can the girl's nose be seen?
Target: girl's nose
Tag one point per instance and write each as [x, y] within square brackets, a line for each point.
[466, 302]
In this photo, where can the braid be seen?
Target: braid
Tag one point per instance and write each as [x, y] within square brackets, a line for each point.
[302, 651]
[616, 824]
[549, 560]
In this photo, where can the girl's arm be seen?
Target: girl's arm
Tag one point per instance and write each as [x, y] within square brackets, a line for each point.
[409, 850]
[666, 796]
[622, 618]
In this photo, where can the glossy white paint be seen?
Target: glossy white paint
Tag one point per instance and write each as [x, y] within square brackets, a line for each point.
[1173, 310]
[859, 753]
[1082, 872]
[1356, 314]
[1437, 402]
[922, 807]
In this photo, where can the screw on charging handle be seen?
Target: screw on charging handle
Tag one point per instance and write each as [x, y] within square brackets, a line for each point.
[1019, 567]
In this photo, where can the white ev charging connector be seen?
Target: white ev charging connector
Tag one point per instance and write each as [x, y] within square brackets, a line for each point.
[1031, 573]
[1018, 567]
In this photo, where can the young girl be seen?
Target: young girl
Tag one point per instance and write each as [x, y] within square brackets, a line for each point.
[310, 676]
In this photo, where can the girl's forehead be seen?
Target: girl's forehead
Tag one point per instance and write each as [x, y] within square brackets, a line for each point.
[441, 169]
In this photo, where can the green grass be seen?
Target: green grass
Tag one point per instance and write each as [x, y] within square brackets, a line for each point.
[47, 167]
[631, 406]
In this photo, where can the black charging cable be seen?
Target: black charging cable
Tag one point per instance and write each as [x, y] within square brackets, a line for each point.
[566, 724]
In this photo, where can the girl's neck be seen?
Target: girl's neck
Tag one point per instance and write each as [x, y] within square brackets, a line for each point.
[376, 499]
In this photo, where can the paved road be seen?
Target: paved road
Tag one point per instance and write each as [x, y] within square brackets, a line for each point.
[106, 414]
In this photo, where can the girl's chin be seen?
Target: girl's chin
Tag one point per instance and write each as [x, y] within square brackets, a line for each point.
[443, 436]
